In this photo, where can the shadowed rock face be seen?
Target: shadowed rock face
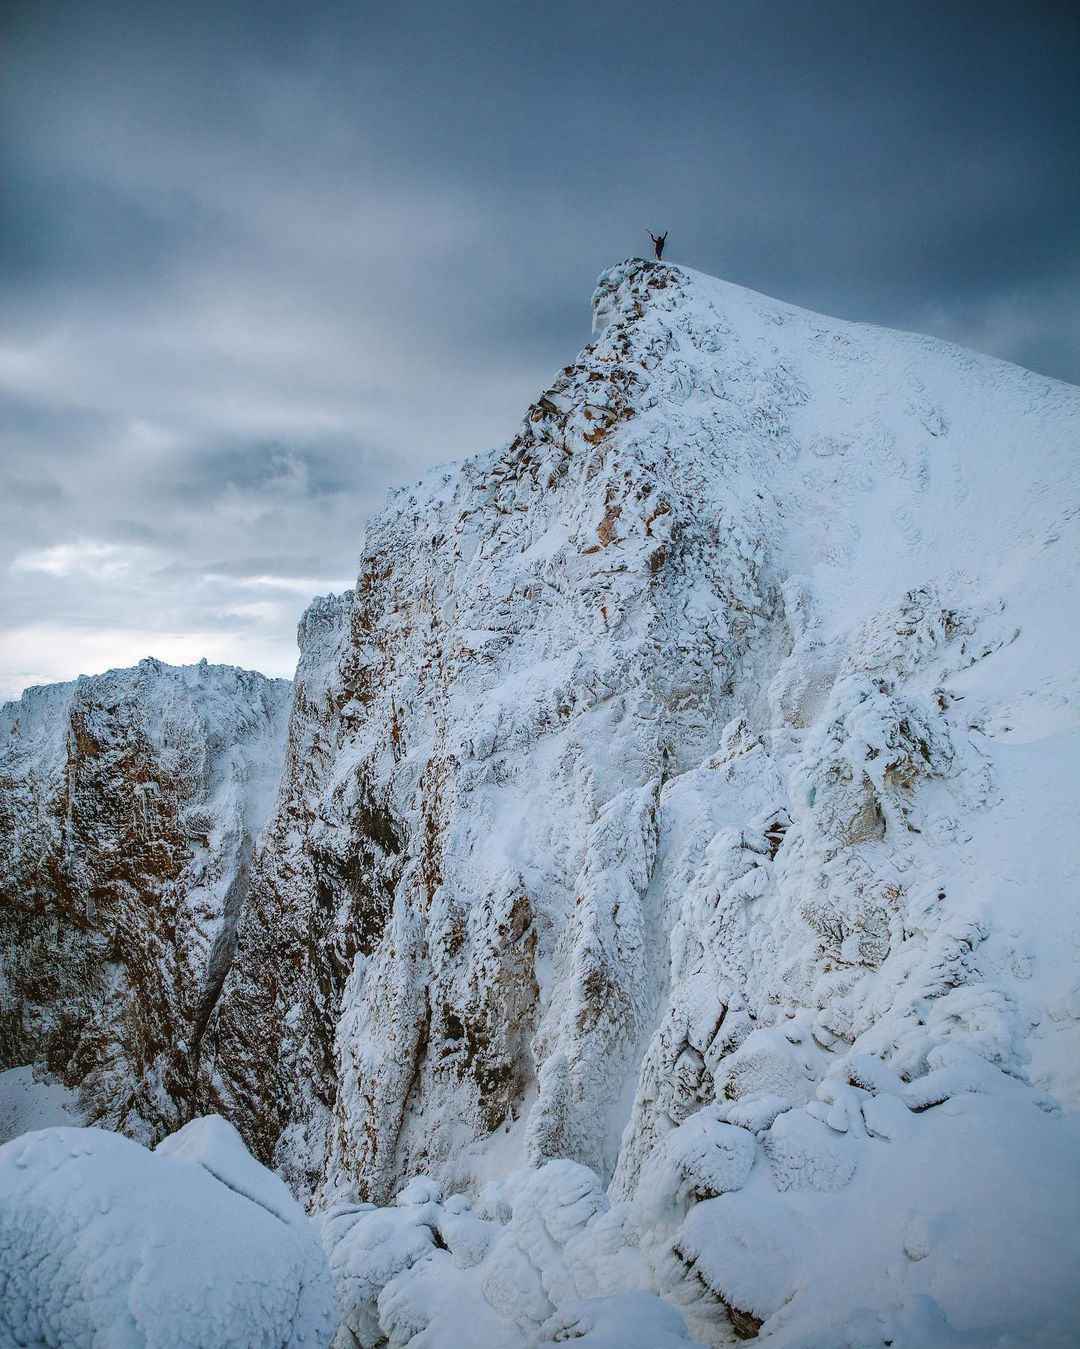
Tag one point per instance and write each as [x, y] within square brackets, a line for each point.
[128, 805]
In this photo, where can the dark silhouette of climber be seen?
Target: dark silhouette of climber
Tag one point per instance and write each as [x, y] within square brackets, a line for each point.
[658, 244]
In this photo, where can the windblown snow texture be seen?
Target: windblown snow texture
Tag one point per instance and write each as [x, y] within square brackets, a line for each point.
[103, 1242]
[677, 810]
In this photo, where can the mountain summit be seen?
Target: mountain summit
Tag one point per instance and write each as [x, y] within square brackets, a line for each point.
[674, 806]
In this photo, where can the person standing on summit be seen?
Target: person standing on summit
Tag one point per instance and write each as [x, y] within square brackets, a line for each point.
[658, 244]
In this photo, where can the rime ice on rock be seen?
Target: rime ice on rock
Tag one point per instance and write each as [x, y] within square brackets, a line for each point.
[692, 678]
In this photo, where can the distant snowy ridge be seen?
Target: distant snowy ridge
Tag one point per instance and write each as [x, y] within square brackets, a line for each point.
[674, 811]
[129, 806]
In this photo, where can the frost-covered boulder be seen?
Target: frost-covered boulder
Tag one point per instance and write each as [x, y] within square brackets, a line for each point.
[703, 1157]
[848, 1218]
[367, 1247]
[953, 1225]
[541, 1257]
[195, 1244]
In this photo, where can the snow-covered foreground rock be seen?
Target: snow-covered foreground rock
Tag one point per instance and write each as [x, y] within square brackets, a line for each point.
[129, 805]
[677, 809]
[955, 1226]
[195, 1244]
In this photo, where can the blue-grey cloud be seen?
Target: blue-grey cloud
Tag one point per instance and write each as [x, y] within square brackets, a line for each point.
[263, 260]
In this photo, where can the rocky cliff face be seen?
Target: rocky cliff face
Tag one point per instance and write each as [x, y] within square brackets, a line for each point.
[129, 804]
[656, 758]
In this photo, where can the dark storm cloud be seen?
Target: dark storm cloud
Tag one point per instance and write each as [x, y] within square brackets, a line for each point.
[262, 261]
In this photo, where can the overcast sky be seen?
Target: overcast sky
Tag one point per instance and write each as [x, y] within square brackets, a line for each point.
[262, 261]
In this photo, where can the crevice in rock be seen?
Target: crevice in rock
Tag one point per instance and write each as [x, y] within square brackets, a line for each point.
[221, 956]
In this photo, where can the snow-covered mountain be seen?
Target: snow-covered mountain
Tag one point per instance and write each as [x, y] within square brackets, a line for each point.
[717, 701]
[677, 808]
[129, 805]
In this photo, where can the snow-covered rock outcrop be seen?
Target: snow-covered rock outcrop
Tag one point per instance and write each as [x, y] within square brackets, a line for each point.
[695, 765]
[129, 806]
[104, 1242]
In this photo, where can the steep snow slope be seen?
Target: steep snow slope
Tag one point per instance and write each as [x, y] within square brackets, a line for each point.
[129, 803]
[27, 1104]
[714, 729]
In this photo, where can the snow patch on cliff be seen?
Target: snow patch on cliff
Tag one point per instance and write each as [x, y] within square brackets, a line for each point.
[27, 1104]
